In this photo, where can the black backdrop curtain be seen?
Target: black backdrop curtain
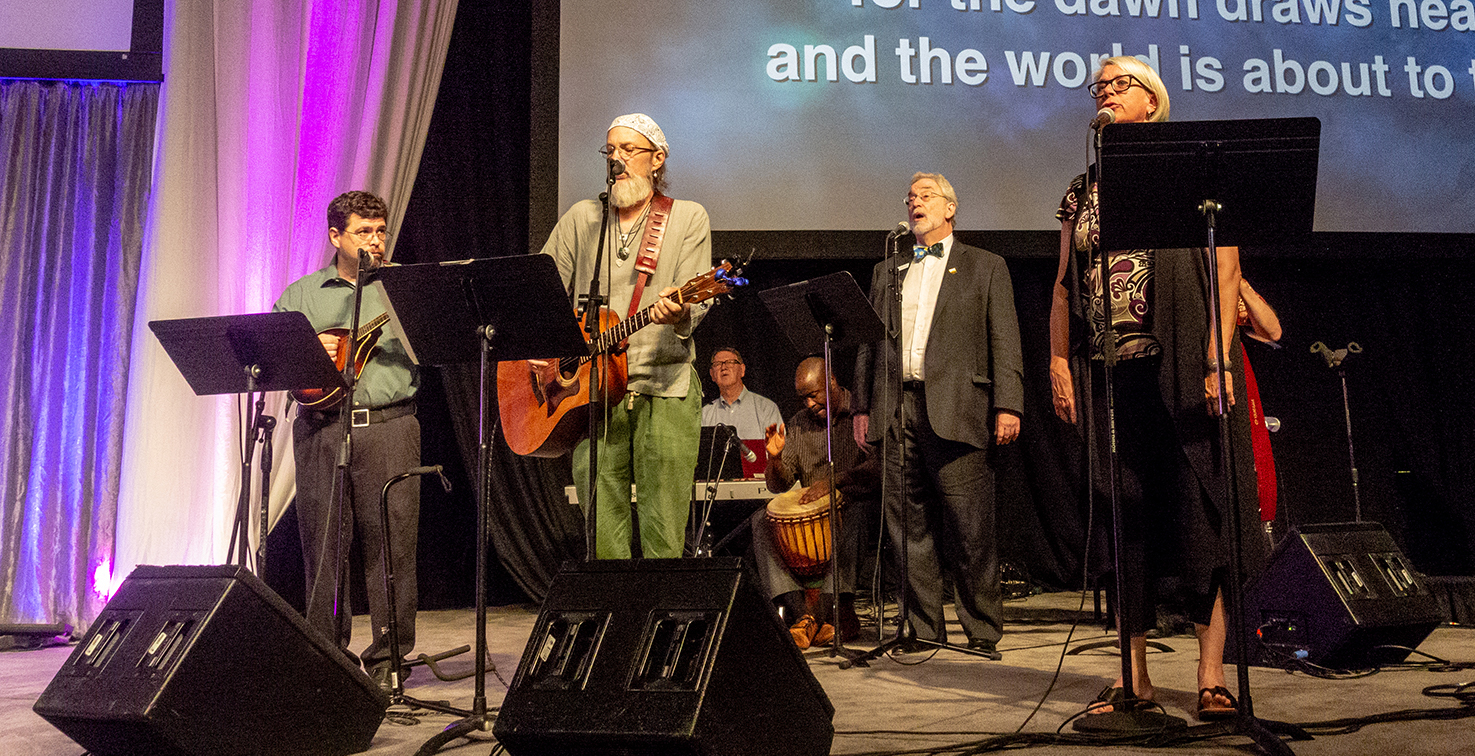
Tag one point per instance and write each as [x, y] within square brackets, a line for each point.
[1408, 300]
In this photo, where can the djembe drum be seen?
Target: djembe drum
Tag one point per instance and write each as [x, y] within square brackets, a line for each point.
[802, 531]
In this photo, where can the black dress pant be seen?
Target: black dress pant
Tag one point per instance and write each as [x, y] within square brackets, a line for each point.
[381, 451]
[950, 525]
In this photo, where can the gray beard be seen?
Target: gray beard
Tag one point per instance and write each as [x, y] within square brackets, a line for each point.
[631, 192]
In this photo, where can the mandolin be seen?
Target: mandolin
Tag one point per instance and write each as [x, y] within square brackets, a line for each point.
[326, 399]
[545, 410]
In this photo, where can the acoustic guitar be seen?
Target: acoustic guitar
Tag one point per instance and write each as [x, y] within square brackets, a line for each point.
[326, 399]
[545, 410]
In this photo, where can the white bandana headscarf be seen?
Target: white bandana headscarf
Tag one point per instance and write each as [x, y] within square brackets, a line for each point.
[646, 127]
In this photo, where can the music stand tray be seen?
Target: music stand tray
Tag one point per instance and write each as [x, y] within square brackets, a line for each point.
[213, 353]
[246, 354]
[803, 309]
[1154, 177]
[439, 307]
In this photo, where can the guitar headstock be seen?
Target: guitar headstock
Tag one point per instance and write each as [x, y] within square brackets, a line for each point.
[719, 280]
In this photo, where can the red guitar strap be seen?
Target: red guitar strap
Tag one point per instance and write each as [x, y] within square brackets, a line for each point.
[650, 247]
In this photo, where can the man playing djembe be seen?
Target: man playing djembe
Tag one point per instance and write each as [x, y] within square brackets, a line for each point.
[799, 583]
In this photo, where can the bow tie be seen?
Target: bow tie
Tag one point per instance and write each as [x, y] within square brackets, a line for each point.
[919, 251]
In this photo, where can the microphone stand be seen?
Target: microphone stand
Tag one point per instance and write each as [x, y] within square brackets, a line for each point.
[893, 334]
[345, 456]
[699, 546]
[396, 661]
[1124, 718]
[1334, 360]
[593, 302]
[267, 425]
[239, 543]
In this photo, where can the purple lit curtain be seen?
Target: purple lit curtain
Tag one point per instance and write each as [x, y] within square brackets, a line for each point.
[74, 165]
[270, 108]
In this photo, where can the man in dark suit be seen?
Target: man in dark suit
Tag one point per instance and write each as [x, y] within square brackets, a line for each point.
[962, 394]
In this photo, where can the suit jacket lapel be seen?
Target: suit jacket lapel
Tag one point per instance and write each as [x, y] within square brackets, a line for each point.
[947, 291]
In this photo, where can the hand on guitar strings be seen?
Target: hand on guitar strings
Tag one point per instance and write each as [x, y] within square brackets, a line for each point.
[330, 343]
[667, 311]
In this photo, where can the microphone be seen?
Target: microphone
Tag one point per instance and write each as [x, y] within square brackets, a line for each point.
[902, 229]
[1103, 117]
[616, 167]
[733, 440]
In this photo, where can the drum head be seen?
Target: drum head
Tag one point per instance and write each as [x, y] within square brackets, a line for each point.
[786, 505]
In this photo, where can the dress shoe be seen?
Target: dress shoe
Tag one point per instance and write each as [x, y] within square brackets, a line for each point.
[988, 649]
[913, 646]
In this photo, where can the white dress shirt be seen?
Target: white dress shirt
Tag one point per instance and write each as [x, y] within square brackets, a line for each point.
[918, 302]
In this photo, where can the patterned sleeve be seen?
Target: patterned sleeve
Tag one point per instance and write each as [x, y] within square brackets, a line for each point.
[1068, 204]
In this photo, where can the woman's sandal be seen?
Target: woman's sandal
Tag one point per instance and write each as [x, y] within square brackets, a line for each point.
[1110, 697]
[1212, 713]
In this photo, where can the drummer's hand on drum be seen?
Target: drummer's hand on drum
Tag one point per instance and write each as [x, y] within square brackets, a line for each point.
[775, 437]
[815, 492]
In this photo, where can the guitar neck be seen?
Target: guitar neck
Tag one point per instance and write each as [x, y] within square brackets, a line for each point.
[373, 325]
[608, 340]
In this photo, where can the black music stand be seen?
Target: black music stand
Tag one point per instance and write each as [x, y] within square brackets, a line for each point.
[457, 312]
[246, 354]
[821, 315]
[1208, 184]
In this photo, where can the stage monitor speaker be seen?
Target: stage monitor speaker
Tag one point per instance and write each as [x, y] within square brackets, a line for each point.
[190, 661]
[664, 657]
[1339, 595]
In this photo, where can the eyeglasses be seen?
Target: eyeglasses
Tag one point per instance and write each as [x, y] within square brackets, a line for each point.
[624, 151]
[924, 198]
[1119, 85]
[370, 234]
[726, 363]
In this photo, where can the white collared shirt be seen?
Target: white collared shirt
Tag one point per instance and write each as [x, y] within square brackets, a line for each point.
[918, 303]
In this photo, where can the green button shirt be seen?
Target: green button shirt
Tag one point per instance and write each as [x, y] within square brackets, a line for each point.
[327, 301]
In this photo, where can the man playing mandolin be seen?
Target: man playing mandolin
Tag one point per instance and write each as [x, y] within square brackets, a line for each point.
[386, 439]
[650, 433]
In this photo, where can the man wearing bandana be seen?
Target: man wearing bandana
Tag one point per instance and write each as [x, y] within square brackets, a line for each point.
[650, 435]
[962, 396]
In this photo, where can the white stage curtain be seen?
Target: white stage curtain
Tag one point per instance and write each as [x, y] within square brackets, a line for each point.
[270, 108]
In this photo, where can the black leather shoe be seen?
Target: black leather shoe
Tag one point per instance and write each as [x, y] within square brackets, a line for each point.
[913, 646]
[988, 649]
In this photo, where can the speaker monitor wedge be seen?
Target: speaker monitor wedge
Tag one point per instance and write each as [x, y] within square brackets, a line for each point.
[665, 657]
[189, 661]
[1339, 595]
